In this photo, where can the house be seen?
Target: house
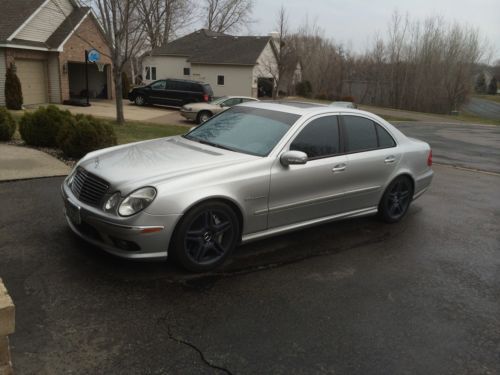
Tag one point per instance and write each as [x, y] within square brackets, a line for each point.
[232, 65]
[45, 42]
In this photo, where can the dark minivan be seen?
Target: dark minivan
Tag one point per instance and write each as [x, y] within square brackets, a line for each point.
[173, 92]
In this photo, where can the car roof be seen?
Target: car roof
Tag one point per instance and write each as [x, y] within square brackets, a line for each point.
[302, 108]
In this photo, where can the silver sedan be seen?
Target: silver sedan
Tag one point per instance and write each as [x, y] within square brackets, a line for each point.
[253, 171]
[201, 112]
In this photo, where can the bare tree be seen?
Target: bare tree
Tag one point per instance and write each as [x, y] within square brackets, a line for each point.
[124, 35]
[227, 15]
[162, 19]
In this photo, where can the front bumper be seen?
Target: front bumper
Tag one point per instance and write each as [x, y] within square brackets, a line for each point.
[189, 115]
[142, 236]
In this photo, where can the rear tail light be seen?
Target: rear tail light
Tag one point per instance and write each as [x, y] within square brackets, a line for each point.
[205, 97]
[429, 158]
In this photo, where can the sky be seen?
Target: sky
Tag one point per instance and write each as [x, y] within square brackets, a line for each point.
[354, 23]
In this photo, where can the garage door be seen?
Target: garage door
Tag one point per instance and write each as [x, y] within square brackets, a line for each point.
[33, 77]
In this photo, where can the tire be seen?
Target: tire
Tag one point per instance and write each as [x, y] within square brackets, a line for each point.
[203, 116]
[206, 236]
[140, 100]
[396, 200]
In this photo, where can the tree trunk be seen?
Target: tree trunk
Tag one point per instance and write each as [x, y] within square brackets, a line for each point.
[120, 118]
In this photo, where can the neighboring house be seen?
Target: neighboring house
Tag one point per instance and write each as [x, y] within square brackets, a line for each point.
[232, 65]
[45, 40]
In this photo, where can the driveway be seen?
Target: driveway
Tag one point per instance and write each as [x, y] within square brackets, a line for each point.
[154, 114]
[357, 297]
[483, 108]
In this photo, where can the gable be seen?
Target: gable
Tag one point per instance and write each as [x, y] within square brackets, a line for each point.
[46, 21]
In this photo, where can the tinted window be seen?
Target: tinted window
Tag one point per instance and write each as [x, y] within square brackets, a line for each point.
[208, 89]
[159, 85]
[249, 130]
[319, 138]
[231, 102]
[360, 134]
[169, 85]
[384, 138]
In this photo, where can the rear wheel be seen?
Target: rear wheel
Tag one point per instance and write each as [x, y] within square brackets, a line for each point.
[206, 236]
[203, 116]
[396, 200]
[139, 100]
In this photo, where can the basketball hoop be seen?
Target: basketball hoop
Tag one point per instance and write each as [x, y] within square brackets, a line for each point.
[100, 66]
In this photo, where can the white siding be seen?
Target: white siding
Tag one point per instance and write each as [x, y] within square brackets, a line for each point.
[3, 70]
[266, 64]
[237, 79]
[54, 82]
[46, 21]
[166, 67]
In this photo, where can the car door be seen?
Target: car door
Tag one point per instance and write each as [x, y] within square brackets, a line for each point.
[313, 190]
[372, 156]
[157, 92]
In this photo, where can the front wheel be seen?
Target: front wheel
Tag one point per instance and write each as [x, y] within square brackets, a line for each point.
[203, 116]
[139, 100]
[396, 200]
[206, 236]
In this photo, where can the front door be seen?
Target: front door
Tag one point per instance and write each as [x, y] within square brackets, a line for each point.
[313, 190]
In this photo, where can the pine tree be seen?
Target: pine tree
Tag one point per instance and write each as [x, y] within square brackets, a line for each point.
[492, 87]
[13, 90]
[481, 84]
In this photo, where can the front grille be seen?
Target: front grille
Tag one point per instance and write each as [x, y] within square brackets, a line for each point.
[89, 188]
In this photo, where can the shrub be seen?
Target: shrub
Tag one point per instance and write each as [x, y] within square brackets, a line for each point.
[13, 90]
[303, 88]
[492, 87]
[125, 85]
[7, 125]
[41, 127]
[348, 98]
[85, 134]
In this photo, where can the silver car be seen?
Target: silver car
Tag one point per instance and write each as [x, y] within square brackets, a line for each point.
[201, 112]
[253, 171]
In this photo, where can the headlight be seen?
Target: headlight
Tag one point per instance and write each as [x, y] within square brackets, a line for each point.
[112, 202]
[137, 201]
[188, 108]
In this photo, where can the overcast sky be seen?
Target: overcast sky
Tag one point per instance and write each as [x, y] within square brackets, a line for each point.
[354, 22]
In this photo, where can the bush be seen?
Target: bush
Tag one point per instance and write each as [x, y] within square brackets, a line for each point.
[7, 125]
[125, 85]
[85, 134]
[492, 87]
[348, 98]
[41, 127]
[303, 88]
[13, 90]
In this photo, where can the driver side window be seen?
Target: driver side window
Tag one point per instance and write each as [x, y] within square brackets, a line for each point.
[319, 139]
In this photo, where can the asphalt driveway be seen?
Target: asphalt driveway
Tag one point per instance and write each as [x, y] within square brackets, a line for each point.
[359, 296]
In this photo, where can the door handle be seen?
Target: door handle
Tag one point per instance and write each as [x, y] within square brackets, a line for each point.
[390, 159]
[339, 168]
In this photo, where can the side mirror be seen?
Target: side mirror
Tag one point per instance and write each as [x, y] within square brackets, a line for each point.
[293, 157]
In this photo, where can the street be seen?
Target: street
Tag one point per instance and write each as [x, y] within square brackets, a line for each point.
[361, 297]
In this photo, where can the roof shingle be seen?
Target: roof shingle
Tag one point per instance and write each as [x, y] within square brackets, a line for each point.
[208, 47]
[14, 13]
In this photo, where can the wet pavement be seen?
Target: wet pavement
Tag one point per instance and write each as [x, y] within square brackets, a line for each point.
[359, 296]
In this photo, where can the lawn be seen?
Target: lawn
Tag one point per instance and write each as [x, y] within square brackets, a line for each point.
[494, 98]
[133, 131]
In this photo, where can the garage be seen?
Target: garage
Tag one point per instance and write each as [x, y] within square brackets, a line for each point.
[98, 81]
[33, 77]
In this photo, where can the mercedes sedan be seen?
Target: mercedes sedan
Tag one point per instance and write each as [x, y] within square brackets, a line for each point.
[253, 171]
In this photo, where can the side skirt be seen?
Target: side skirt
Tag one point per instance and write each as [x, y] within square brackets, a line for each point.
[305, 224]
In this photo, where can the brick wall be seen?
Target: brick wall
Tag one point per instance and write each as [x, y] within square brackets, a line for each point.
[7, 326]
[87, 36]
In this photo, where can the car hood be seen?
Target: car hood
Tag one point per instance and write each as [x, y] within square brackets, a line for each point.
[151, 162]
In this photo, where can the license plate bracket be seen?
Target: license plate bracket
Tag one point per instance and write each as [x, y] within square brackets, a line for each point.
[73, 212]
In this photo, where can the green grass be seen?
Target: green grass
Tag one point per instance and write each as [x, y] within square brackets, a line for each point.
[133, 131]
[494, 98]
[471, 119]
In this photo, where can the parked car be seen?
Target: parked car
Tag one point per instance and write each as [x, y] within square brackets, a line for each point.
[253, 171]
[344, 104]
[201, 112]
[172, 92]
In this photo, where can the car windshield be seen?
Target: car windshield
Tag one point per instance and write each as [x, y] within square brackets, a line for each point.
[218, 100]
[252, 131]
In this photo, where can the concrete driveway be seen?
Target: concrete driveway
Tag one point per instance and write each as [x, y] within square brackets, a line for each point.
[353, 297]
[154, 114]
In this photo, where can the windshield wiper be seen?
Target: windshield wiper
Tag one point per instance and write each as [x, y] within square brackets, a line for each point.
[213, 144]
